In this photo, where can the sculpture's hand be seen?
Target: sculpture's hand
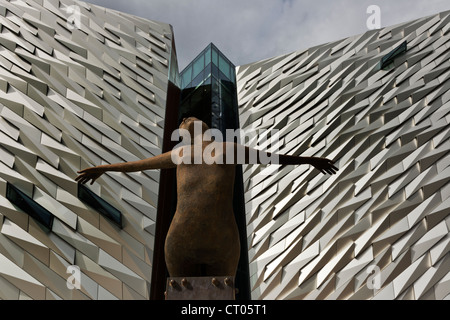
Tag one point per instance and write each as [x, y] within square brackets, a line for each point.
[324, 165]
[87, 174]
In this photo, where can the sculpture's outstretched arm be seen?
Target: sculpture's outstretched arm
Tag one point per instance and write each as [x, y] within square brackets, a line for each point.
[162, 161]
[243, 154]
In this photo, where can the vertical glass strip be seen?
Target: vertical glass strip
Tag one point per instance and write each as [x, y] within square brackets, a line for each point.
[186, 77]
[224, 67]
[208, 55]
[215, 57]
[198, 66]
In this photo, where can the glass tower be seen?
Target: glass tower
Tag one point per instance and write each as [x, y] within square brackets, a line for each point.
[208, 87]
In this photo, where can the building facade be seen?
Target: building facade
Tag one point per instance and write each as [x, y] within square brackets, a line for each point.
[81, 85]
[378, 104]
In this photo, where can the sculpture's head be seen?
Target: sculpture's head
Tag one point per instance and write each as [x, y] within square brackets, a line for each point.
[191, 123]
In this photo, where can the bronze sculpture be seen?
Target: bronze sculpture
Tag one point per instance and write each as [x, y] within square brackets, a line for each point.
[203, 238]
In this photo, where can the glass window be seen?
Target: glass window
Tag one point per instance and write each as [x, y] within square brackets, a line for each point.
[208, 70]
[215, 71]
[208, 56]
[29, 206]
[215, 87]
[207, 80]
[197, 80]
[215, 57]
[97, 203]
[186, 76]
[198, 66]
[224, 67]
[387, 61]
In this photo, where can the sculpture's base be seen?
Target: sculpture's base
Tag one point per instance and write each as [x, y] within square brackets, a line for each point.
[200, 288]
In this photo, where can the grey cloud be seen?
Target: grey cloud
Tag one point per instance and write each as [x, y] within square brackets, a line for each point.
[252, 30]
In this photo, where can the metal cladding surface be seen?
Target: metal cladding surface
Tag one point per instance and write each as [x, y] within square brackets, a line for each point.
[80, 85]
[379, 228]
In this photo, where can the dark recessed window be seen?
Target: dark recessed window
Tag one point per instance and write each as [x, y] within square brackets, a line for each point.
[91, 199]
[29, 206]
[387, 62]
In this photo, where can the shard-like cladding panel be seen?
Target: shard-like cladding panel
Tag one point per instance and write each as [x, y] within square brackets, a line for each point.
[379, 228]
[80, 85]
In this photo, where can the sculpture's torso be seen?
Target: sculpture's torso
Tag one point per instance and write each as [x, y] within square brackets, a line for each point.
[203, 238]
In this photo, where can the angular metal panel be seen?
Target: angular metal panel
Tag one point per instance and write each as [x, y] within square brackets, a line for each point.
[387, 132]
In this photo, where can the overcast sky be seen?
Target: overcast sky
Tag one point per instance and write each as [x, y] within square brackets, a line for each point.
[251, 30]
